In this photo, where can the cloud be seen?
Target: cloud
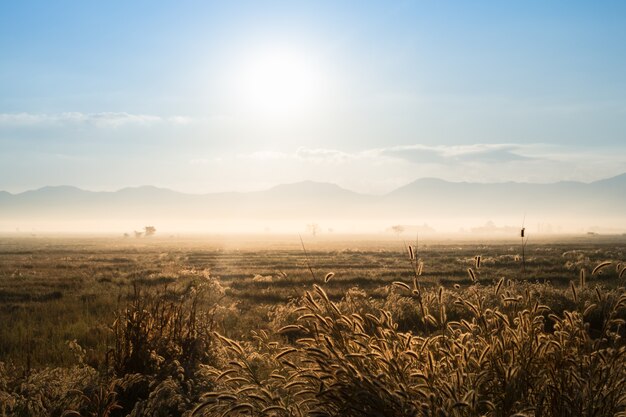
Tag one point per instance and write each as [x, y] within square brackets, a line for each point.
[413, 154]
[110, 119]
[319, 155]
[479, 153]
[99, 120]
[324, 155]
[21, 119]
[180, 120]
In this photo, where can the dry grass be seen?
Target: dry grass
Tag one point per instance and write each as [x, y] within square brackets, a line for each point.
[510, 354]
[183, 342]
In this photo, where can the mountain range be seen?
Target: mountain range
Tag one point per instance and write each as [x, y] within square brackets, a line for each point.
[597, 203]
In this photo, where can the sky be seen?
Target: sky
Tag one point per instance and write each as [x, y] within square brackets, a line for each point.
[240, 96]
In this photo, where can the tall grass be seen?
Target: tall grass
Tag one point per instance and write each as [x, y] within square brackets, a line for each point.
[492, 348]
[504, 353]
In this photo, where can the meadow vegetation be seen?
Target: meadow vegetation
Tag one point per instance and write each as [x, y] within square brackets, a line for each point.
[107, 328]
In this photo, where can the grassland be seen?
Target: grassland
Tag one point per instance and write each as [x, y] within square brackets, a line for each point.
[169, 326]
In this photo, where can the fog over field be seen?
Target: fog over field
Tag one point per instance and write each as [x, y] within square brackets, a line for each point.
[429, 206]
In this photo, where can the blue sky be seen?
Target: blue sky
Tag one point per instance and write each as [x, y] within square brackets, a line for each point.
[214, 96]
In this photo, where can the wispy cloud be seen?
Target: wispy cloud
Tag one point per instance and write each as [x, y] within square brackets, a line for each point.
[315, 155]
[180, 120]
[99, 120]
[479, 153]
[415, 154]
[325, 155]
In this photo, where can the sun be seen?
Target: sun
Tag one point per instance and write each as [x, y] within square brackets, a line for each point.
[279, 82]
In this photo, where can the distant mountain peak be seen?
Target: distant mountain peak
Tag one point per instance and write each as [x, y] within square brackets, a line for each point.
[146, 188]
[621, 178]
[59, 188]
[310, 186]
[56, 189]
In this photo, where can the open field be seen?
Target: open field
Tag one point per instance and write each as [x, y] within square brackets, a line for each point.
[53, 290]
[57, 290]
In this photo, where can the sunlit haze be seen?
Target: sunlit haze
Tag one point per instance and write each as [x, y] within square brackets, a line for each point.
[221, 97]
[277, 84]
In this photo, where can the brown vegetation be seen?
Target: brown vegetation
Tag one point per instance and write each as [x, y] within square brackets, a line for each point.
[371, 338]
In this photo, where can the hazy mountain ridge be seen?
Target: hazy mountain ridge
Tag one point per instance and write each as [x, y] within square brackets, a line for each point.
[421, 199]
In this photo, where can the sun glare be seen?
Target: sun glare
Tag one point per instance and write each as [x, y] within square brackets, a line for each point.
[279, 83]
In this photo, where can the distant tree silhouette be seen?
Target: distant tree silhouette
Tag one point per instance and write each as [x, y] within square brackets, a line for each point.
[397, 229]
[313, 228]
[149, 230]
